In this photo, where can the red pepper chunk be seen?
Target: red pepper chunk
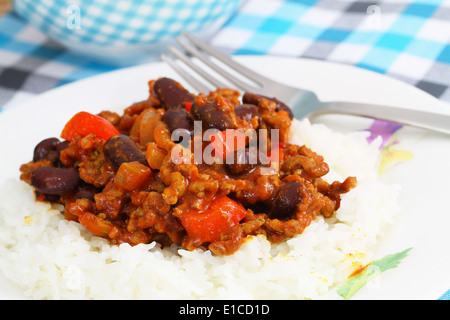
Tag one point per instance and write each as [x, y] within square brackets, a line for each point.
[207, 225]
[188, 106]
[84, 123]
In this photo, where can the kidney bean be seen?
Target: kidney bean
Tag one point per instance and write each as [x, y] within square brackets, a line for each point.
[120, 148]
[246, 111]
[55, 181]
[87, 191]
[211, 116]
[178, 119]
[172, 94]
[62, 145]
[252, 98]
[286, 200]
[46, 150]
[242, 162]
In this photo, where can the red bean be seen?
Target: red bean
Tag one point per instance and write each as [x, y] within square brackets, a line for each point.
[211, 116]
[178, 119]
[247, 111]
[252, 98]
[55, 181]
[243, 162]
[46, 149]
[172, 94]
[87, 191]
[286, 200]
[120, 148]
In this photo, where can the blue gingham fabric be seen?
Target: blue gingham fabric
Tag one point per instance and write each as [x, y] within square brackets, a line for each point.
[121, 22]
[405, 39]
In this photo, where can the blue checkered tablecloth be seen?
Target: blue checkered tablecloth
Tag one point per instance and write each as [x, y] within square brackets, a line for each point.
[408, 40]
[405, 39]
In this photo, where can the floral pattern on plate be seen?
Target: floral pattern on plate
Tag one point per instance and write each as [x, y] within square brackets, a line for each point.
[391, 155]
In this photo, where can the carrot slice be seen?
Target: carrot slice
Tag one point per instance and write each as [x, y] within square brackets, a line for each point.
[131, 175]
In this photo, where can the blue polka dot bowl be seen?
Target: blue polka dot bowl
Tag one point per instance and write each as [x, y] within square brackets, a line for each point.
[124, 31]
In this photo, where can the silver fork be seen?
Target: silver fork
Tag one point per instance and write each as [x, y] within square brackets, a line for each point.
[303, 103]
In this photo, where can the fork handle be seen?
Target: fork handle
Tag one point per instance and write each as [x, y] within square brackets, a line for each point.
[422, 119]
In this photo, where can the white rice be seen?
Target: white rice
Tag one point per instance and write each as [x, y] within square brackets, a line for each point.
[50, 258]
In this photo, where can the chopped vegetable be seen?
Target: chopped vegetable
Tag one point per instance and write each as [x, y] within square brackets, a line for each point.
[94, 224]
[131, 175]
[84, 123]
[188, 106]
[147, 126]
[353, 284]
[222, 214]
[155, 156]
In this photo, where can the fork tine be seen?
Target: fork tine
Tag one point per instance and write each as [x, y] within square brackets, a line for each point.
[180, 55]
[250, 74]
[200, 55]
[200, 87]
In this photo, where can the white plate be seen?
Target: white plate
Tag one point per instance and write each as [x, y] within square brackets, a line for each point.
[423, 223]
